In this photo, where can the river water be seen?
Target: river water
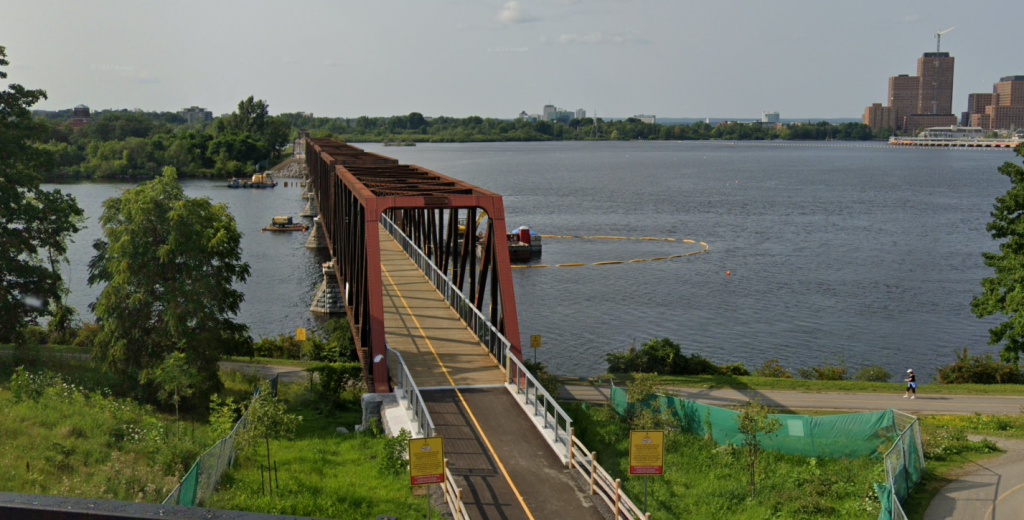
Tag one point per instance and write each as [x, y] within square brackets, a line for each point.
[855, 250]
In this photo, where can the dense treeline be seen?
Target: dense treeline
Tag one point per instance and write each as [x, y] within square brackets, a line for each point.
[415, 127]
[123, 144]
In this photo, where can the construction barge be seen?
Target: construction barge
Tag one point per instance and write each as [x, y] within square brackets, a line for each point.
[958, 137]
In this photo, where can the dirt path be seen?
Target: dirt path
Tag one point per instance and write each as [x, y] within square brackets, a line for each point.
[993, 490]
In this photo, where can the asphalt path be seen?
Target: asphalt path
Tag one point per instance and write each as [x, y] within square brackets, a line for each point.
[990, 490]
[853, 402]
[286, 374]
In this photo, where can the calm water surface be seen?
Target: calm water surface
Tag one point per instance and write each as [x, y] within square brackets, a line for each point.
[861, 251]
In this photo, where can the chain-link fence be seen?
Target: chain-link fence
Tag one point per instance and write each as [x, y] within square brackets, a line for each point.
[200, 481]
[904, 466]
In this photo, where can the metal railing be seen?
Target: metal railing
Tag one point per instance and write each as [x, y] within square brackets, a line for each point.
[543, 404]
[406, 387]
[496, 342]
[906, 452]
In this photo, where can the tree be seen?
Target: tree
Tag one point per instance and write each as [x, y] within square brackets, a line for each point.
[265, 419]
[754, 421]
[174, 379]
[35, 224]
[170, 263]
[1002, 292]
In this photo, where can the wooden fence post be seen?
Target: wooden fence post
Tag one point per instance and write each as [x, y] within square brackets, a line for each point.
[593, 470]
[444, 480]
[458, 504]
[615, 514]
[572, 431]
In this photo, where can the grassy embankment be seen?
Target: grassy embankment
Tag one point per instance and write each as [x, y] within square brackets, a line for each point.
[321, 473]
[70, 437]
[803, 385]
[705, 481]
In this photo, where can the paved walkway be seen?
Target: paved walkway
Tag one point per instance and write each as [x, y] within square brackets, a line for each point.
[792, 400]
[413, 312]
[993, 490]
[505, 468]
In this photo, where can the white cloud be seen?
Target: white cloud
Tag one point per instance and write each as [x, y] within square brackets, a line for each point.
[594, 38]
[513, 13]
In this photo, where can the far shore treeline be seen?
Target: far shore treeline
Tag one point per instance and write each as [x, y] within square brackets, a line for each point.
[122, 144]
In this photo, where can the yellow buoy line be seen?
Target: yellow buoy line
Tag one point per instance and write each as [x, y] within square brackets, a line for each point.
[617, 262]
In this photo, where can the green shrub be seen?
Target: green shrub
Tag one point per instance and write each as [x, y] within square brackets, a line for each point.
[281, 347]
[873, 374]
[339, 341]
[87, 335]
[980, 369]
[393, 454]
[338, 385]
[834, 369]
[948, 442]
[660, 356]
[546, 379]
[36, 335]
[772, 368]
[734, 369]
[28, 386]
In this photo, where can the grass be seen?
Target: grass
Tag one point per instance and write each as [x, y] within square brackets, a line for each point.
[321, 473]
[704, 480]
[71, 438]
[803, 385]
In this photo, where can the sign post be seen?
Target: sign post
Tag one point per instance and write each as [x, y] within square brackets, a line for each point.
[300, 334]
[426, 463]
[646, 455]
[535, 344]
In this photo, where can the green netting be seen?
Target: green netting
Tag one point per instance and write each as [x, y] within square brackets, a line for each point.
[189, 487]
[833, 436]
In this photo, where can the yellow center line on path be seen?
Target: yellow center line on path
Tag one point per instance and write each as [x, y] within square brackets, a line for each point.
[988, 514]
[458, 393]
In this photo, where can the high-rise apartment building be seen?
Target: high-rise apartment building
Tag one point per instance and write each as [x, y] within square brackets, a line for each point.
[769, 117]
[580, 113]
[196, 114]
[1003, 109]
[935, 94]
[903, 94]
[546, 113]
[877, 117]
[976, 104]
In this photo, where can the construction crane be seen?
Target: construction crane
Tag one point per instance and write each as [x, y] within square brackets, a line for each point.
[938, 38]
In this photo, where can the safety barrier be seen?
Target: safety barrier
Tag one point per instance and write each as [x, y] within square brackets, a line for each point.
[602, 484]
[405, 386]
[206, 472]
[544, 405]
[486, 332]
[904, 465]
[618, 262]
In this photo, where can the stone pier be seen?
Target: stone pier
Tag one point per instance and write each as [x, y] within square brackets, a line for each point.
[329, 298]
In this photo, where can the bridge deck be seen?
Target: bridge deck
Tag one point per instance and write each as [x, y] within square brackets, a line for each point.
[436, 345]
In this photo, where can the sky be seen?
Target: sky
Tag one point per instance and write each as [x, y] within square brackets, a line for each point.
[673, 58]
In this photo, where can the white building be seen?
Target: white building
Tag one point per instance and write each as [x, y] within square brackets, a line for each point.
[769, 117]
[646, 118]
[580, 113]
[196, 114]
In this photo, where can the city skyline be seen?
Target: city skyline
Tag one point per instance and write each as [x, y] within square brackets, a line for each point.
[493, 59]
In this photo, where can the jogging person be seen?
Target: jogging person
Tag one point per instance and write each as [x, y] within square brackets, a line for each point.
[911, 381]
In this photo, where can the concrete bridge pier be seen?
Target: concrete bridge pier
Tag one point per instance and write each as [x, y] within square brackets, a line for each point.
[329, 299]
[316, 235]
[310, 210]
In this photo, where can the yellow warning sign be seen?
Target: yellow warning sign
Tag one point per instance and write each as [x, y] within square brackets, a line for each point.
[300, 334]
[426, 461]
[646, 452]
[535, 341]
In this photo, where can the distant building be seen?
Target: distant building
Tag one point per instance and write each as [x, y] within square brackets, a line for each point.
[903, 97]
[581, 114]
[194, 115]
[976, 104]
[915, 122]
[935, 95]
[877, 117]
[533, 118]
[1003, 108]
[80, 116]
[954, 132]
[523, 115]
[646, 118]
[547, 111]
[769, 117]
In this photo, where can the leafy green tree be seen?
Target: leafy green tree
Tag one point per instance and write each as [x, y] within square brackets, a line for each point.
[753, 422]
[35, 224]
[174, 379]
[169, 263]
[1002, 293]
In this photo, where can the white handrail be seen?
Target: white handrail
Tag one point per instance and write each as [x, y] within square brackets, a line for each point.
[497, 344]
[522, 379]
[404, 383]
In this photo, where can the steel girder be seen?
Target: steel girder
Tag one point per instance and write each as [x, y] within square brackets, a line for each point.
[354, 188]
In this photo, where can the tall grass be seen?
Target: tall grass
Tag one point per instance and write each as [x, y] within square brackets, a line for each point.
[321, 473]
[61, 436]
[705, 481]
